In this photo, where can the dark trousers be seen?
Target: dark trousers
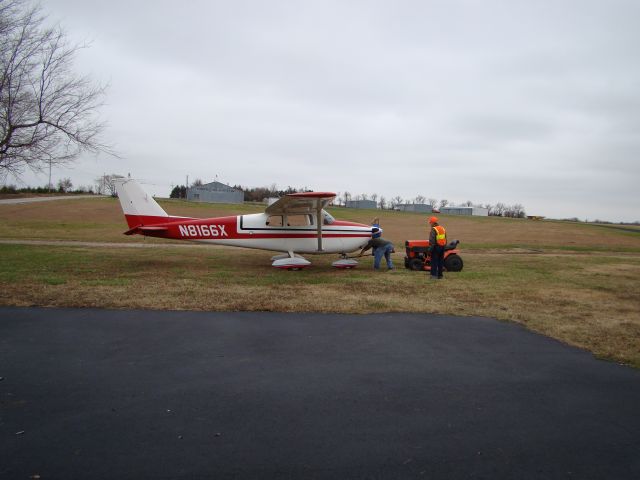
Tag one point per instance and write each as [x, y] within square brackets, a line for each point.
[437, 261]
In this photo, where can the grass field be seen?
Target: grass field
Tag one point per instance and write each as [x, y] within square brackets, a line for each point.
[575, 282]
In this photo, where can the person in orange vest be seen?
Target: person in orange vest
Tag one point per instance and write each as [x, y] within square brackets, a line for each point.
[437, 242]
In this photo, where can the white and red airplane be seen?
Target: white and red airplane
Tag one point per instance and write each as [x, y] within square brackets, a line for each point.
[290, 225]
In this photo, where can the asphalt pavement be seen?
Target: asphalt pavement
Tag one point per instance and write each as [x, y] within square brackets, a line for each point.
[98, 394]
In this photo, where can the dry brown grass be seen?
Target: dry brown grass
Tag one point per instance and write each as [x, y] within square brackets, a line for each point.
[484, 232]
[557, 295]
[587, 297]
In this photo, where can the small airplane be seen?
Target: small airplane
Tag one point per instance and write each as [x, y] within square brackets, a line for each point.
[296, 223]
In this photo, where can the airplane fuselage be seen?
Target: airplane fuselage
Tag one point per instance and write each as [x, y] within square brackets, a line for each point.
[259, 230]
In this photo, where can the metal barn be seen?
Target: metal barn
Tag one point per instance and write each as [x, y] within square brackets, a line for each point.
[476, 211]
[415, 207]
[215, 192]
[361, 204]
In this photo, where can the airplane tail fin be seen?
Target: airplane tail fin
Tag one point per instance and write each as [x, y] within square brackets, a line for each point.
[138, 206]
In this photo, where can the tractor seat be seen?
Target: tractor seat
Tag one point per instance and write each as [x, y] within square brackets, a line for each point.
[452, 244]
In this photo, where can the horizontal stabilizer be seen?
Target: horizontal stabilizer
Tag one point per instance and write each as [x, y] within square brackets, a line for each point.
[142, 229]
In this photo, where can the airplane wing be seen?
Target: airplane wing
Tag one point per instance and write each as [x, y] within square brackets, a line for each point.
[301, 203]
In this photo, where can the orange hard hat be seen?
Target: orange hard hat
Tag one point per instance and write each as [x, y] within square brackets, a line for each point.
[433, 220]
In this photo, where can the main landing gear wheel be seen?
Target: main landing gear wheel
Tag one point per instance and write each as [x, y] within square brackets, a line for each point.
[290, 261]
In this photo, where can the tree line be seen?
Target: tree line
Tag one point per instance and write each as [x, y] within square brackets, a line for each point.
[258, 194]
[253, 194]
[64, 185]
[103, 185]
[498, 209]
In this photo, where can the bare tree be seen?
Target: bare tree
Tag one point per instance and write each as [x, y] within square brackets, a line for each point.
[65, 185]
[347, 196]
[444, 202]
[420, 199]
[518, 211]
[98, 185]
[433, 202]
[489, 208]
[499, 209]
[395, 201]
[109, 184]
[514, 211]
[48, 114]
[382, 202]
[374, 197]
[468, 203]
[197, 183]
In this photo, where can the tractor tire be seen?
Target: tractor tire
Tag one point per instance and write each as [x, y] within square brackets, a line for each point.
[453, 263]
[416, 264]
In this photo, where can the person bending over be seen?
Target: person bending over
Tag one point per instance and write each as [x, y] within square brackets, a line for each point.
[381, 248]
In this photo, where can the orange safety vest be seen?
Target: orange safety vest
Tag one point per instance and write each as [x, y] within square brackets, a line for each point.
[441, 235]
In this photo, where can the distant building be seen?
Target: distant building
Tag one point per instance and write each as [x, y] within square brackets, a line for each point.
[361, 204]
[476, 211]
[215, 192]
[415, 207]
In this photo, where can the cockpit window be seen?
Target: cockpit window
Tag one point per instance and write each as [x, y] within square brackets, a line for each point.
[299, 220]
[327, 218]
[274, 221]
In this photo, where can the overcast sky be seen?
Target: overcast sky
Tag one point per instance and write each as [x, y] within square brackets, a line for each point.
[531, 102]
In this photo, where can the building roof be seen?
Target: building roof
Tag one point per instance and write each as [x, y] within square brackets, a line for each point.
[216, 187]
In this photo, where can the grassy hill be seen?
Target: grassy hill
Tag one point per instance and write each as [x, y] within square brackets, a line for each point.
[101, 219]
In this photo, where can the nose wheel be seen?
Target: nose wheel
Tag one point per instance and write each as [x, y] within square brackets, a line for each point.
[345, 262]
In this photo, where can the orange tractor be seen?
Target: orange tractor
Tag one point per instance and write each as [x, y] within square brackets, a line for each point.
[419, 258]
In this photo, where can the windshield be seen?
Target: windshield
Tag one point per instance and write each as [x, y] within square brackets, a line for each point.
[327, 218]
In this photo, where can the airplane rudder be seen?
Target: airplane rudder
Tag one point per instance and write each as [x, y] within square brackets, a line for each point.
[135, 201]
